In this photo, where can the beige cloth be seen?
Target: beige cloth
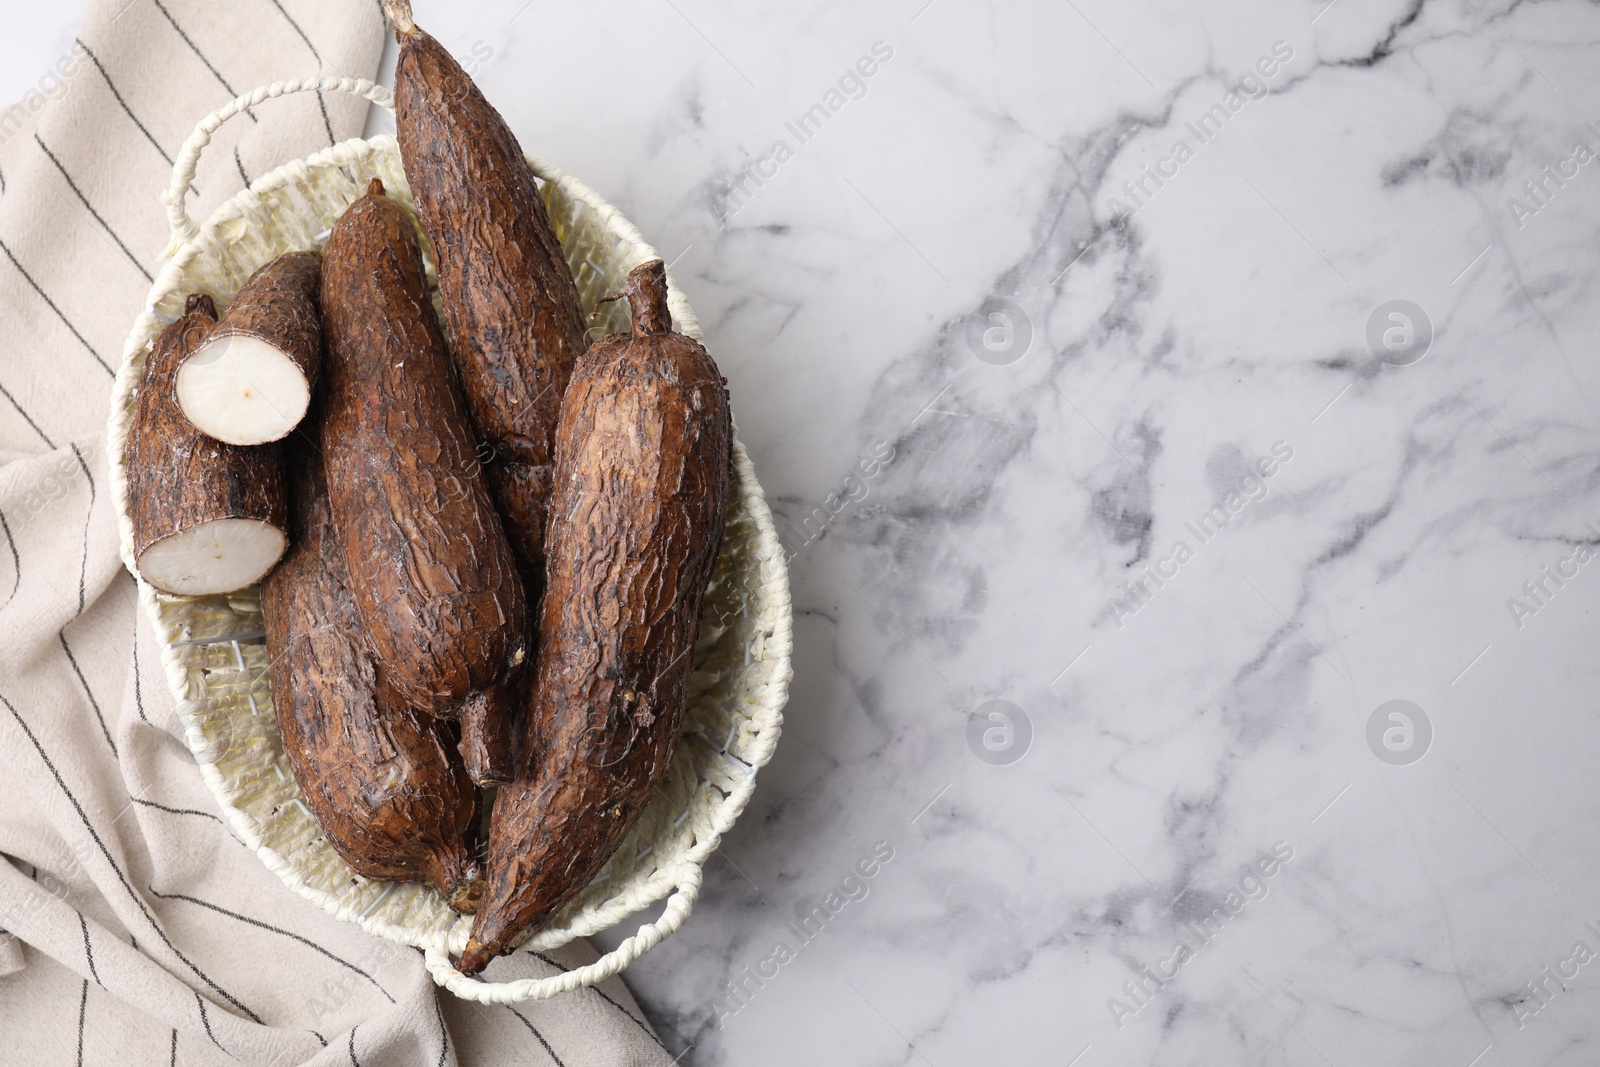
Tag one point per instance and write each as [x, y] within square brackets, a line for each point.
[140, 931]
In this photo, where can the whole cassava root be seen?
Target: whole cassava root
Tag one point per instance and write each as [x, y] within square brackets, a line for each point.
[642, 472]
[510, 304]
[432, 575]
[207, 517]
[250, 382]
[380, 778]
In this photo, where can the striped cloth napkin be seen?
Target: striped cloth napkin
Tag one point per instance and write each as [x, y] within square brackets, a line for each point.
[134, 928]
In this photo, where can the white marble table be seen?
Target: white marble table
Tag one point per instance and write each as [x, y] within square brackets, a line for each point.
[1193, 504]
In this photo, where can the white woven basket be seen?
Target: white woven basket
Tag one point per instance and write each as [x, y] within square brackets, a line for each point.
[212, 647]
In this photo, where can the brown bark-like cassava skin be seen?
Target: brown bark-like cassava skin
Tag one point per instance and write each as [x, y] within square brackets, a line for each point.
[180, 479]
[643, 465]
[275, 314]
[522, 493]
[281, 304]
[510, 304]
[381, 779]
[431, 571]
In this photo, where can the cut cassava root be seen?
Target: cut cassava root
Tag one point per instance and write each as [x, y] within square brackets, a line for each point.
[380, 778]
[432, 575]
[642, 477]
[250, 382]
[208, 517]
[510, 303]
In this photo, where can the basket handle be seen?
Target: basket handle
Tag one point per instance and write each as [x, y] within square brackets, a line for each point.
[687, 880]
[183, 227]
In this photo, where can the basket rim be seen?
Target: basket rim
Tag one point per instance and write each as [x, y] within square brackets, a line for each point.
[682, 880]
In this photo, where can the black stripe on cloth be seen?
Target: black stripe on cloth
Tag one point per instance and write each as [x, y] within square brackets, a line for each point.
[83, 1012]
[642, 1024]
[296, 26]
[125, 108]
[322, 105]
[276, 930]
[174, 811]
[83, 464]
[603, 996]
[16, 560]
[126, 885]
[62, 636]
[87, 950]
[320, 1038]
[534, 1030]
[173, 1061]
[240, 164]
[353, 1061]
[84, 200]
[64, 321]
[444, 1035]
[206, 1019]
[24, 413]
[83, 565]
[138, 686]
[2, 183]
[201, 56]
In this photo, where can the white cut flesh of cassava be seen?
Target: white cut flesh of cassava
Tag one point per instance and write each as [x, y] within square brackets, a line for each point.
[243, 390]
[219, 556]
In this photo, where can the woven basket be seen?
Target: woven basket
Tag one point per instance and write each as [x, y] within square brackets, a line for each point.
[216, 662]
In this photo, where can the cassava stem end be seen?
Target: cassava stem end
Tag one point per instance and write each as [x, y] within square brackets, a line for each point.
[399, 13]
[647, 298]
[456, 876]
[646, 294]
[474, 958]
